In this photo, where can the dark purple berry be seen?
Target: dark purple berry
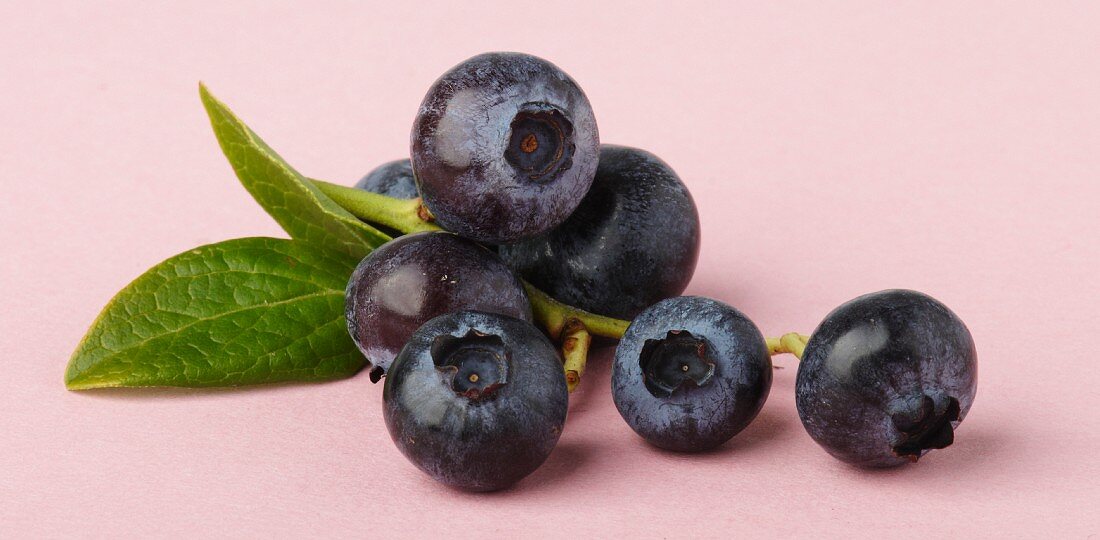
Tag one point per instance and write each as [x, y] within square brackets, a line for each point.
[634, 239]
[690, 373]
[393, 179]
[477, 401]
[886, 378]
[504, 147]
[412, 279]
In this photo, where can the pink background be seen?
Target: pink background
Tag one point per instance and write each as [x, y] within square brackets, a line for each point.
[833, 150]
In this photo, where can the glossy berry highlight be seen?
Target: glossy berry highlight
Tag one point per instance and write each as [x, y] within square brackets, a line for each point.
[476, 400]
[504, 147]
[887, 378]
[634, 239]
[690, 373]
[409, 280]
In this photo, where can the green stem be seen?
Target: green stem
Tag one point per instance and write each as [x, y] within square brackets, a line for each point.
[574, 351]
[793, 343]
[574, 328]
[555, 316]
[405, 215]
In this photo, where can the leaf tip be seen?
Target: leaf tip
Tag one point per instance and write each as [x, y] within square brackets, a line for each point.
[76, 387]
[84, 374]
[75, 382]
[207, 98]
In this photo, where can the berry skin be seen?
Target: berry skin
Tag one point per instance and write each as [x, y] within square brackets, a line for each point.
[690, 373]
[477, 401]
[407, 281]
[634, 239]
[504, 147]
[393, 179]
[886, 378]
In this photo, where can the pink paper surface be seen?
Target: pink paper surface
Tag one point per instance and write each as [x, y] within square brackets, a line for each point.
[834, 149]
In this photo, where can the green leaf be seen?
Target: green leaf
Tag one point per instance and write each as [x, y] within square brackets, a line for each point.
[245, 311]
[296, 204]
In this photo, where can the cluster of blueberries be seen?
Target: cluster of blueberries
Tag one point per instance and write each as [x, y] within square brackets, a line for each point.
[505, 155]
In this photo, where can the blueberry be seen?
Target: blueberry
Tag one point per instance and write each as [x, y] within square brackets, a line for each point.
[633, 240]
[393, 179]
[886, 378]
[407, 281]
[690, 373]
[477, 401]
[504, 147]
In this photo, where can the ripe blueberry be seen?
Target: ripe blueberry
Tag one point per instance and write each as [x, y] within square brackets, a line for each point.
[393, 179]
[407, 281]
[634, 239]
[477, 401]
[886, 378]
[690, 373]
[504, 147]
